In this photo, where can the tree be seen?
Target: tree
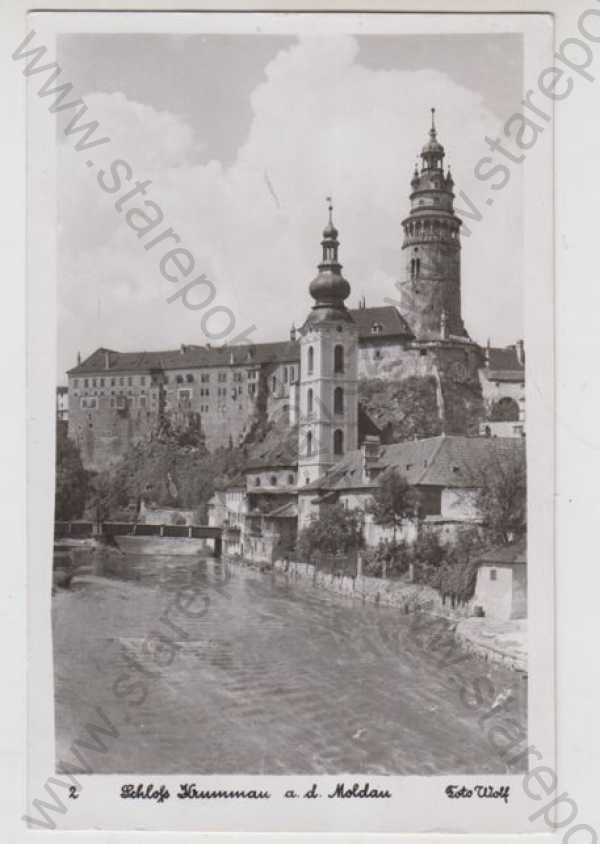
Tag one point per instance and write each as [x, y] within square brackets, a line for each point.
[71, 479]
[337, 530]
[502, 498]
[393, 501]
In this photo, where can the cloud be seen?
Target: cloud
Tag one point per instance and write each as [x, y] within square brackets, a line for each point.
[322, 124]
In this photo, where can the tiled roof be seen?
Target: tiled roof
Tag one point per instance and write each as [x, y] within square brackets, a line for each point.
[279, 450]
[452, 461]
[194, 357]
[189, 357]
[516, 552]
[505, 375]
[388, 317]
[504, 358]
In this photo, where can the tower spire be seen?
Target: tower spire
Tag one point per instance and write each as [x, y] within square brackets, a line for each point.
[432, 131]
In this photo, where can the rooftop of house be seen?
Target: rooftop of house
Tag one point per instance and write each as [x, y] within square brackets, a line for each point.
[384, 321]
[514, 553]
[381, 322]
[503, 364]
[443, 461]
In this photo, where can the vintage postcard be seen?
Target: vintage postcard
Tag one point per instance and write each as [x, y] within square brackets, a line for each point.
[290, 381]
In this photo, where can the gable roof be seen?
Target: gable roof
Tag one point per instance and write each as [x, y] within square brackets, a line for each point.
[514, 553]
[444, 461]
[193, 357]
[503, 365]
[388, 317]
[189, 357]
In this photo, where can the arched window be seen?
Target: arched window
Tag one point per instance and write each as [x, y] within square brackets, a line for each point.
[338, 442]
[505, 410]
[309, 444]
[338, 400]
[311, 360]
[338, 359]
[309, 401]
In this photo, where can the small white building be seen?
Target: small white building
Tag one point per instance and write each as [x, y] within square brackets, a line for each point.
[501, 587]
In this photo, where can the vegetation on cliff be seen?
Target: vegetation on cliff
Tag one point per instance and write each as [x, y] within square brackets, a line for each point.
[401, 409]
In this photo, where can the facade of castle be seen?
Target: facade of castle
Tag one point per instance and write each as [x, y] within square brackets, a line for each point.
[311, 379]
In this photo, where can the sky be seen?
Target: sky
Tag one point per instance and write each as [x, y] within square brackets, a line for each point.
[243, 137]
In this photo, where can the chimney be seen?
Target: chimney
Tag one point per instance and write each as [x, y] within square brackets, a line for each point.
[106, 359]
[293, 333]
[78, 358]
[183, 349]
[231, 358]
[371, 449]
[486, 353]
[520, 350]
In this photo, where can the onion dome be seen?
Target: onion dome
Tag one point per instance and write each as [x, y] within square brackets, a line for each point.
[329, 288]
[433, 152]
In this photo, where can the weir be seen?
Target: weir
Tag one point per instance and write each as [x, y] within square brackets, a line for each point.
[94, 530]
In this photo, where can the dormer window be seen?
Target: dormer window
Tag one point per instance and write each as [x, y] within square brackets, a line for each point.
[377, 328]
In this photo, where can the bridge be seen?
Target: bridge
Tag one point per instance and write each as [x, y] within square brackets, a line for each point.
[89, 530]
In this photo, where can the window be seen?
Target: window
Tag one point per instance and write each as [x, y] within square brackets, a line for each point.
[309, 444]
[291, 374]
[311, 360]
[179, 379]
[493, 574]
[86, 382]
[291, 479]
[237, 376]
[76, 382]
[273, 384]
[93, 382]
[338, 359]
[222, 376]
[285, 374]
[338, 442]
[273, 480]
[338, 400]
[102, 382]
[121, 382]
[377, 354]
[142, 401]
[190, 378]
[205, 377]
[257, 481]
[309, 401]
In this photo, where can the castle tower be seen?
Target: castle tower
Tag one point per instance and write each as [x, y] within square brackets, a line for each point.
[430, 298]
[328, 417]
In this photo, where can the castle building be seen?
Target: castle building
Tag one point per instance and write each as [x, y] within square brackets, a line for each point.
[312, 379]
[430, 295]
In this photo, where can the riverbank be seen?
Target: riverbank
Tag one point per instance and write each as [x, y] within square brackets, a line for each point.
[502, 642]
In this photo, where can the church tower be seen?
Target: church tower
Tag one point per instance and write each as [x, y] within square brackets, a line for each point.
[430, 298]
[328, 418]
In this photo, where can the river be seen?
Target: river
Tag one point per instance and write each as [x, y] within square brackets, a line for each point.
[264, 678]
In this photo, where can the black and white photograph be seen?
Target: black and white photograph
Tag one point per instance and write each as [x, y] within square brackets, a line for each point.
[294, 545]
